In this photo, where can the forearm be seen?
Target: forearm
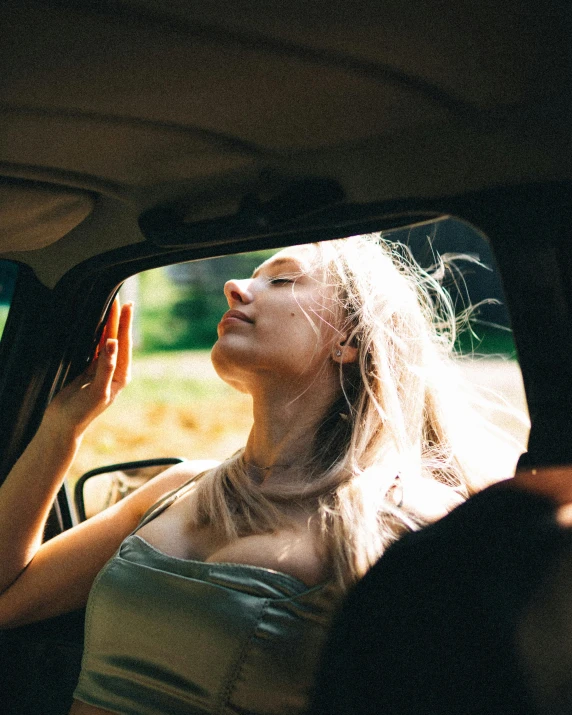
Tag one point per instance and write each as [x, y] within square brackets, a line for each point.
[29, 492]
[65, 565]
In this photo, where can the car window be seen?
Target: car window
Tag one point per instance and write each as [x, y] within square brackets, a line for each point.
[460, 254]
[8, 276]
[176, 406]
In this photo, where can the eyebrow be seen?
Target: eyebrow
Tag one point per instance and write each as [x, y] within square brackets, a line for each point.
[278, 262]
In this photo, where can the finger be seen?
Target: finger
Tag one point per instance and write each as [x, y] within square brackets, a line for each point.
[106, 362]
[110, 327]
[89, 373]
[112, 322]
[124, 335]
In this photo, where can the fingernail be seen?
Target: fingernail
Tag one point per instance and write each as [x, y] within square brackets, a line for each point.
[111, 346]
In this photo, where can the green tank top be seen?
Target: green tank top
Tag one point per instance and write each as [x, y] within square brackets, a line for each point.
[170, 636]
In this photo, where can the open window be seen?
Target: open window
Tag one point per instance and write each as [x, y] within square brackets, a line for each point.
[176, 406]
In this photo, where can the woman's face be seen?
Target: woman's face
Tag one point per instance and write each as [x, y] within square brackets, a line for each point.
[279, 322]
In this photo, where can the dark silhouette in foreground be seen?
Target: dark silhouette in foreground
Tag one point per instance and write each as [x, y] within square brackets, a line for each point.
[469, 615]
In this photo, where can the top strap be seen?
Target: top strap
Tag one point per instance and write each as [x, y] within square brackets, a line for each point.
[165, 502]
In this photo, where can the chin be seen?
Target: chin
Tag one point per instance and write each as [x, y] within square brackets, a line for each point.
[226, 367]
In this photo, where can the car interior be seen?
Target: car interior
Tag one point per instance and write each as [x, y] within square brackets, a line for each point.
[142, 133]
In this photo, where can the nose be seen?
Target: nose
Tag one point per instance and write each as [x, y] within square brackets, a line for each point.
[238, 291]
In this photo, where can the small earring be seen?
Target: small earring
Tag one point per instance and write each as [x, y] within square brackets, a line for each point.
[338, 353]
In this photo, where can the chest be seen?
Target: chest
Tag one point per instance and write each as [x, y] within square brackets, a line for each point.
[172, 533]
[297, 551]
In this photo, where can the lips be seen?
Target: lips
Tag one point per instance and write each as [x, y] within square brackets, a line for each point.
[232, 315]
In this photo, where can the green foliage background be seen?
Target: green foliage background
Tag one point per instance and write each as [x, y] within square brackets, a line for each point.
[179, 307]
[178, 313]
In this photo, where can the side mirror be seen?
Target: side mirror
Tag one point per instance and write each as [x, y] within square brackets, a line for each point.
[104, 486]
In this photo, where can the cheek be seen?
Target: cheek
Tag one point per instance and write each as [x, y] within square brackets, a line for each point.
[311, 337]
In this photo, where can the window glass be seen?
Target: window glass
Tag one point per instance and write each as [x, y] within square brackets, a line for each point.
[462, 255]
[176, 406]
[8, 275]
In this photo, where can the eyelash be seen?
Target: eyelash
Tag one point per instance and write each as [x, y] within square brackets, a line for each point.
[280, 281]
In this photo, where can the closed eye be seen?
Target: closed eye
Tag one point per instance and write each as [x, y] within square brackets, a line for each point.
[280, 281]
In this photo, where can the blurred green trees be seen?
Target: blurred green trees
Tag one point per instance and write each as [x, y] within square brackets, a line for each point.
[178, 307]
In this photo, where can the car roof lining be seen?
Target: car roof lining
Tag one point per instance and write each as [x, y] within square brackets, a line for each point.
[462, 53]
[35, 215]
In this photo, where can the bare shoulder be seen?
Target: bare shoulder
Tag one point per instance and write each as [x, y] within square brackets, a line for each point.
[294, 552]
[170, 480]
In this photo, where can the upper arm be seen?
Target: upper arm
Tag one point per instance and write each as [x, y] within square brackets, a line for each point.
[60, 576]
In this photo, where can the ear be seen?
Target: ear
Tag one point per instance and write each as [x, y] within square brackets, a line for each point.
[343, 352]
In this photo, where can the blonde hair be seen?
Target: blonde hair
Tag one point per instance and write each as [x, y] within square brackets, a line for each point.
[401, 413]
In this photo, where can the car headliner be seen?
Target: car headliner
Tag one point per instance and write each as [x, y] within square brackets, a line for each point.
[109, 108]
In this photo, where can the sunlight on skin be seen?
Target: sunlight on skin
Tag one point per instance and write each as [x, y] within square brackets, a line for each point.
[284, 554]
[303, 268]
[552, 482]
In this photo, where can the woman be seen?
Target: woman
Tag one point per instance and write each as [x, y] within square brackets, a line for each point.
[221, 599]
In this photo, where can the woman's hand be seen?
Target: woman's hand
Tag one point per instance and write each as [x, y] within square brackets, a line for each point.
[86, 397]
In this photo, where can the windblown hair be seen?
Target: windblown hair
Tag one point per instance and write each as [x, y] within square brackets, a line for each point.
[402, 417]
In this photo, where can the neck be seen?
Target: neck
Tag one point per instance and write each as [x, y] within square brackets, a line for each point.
[286, 418]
